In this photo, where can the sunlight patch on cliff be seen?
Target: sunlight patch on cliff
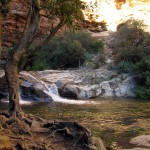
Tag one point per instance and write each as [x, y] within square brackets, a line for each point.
[106, 11]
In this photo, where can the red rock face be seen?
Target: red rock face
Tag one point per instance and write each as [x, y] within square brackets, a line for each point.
[14, 23]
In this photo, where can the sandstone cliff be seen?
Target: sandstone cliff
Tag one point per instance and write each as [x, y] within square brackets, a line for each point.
[108, 14]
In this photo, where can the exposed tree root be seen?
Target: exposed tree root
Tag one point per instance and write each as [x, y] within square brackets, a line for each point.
[59, 134]
[73, 130]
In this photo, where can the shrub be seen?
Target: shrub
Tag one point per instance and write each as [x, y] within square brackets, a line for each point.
[131, 36]
[124, 67]
[143, 93]
[133, 55]
[39, 65]
[71, 50]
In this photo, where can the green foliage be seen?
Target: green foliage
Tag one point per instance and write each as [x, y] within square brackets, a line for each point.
[143, 93]
[72, 50]
[66, 10]
[124, 67]
[143, 68]
[143, 65]
[132, 131]
[39, 65]
[131, 36]
[134, 55]
[97, 46]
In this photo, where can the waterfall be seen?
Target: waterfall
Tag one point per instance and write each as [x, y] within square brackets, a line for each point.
[52, 91]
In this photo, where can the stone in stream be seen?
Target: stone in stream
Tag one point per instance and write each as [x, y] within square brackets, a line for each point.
[141, 141]
[34, 91]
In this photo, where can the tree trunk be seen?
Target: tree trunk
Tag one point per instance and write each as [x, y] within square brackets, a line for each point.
[1, 18]
[15, 54]
[13, 88]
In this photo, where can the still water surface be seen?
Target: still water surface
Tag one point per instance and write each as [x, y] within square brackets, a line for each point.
[114, 120]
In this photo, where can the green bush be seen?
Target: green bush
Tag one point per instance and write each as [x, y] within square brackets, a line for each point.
[124, 67]
[133, 55]
[143, 93]
[68, 51]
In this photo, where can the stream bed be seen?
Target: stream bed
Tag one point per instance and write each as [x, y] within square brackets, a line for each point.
[116, 121]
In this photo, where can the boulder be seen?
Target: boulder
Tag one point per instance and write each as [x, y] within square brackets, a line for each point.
[107, 91]
[60, 84]
[69, 91]
[126, 88]
[141, 141]
[88, 92]
[34, 91]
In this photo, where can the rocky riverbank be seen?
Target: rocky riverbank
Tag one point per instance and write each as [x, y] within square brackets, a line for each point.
[74, 84]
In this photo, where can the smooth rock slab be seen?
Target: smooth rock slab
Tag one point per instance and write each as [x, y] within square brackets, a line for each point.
[142, 140]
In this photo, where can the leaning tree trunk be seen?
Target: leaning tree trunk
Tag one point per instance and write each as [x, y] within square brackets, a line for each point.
[1, 18]
[15, 54]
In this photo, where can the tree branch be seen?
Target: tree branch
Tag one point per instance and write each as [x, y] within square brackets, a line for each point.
[28, 37]
[50, 36]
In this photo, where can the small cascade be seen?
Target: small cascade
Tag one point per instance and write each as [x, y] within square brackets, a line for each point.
[52, 91]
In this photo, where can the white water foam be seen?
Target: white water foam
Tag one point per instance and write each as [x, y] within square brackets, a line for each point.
[22, 102]
[53, 92]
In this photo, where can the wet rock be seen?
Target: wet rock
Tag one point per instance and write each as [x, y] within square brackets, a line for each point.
[33, 91]
[69, 91]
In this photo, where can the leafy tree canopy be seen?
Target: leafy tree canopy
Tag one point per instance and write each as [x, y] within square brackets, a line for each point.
[66, 10]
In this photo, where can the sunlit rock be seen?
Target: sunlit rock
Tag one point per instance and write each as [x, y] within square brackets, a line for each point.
[107, 91]
[126, 88]
[141, 141]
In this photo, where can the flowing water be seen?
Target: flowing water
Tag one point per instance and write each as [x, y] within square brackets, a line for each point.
[111, 119]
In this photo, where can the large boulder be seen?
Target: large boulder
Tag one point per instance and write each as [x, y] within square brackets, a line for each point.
[141, 141]
[126, 88]
[34, 91]
[69, 91]
[88, 92]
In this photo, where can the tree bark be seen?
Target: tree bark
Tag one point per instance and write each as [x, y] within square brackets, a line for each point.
[1, 18]
[15, 54]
